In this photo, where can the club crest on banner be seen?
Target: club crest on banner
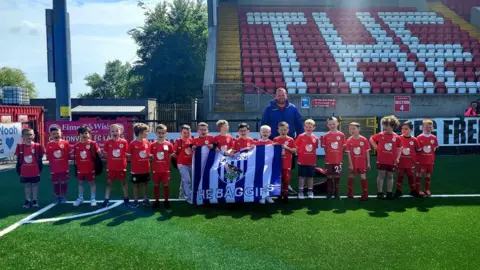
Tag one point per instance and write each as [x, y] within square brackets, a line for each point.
[231, 173]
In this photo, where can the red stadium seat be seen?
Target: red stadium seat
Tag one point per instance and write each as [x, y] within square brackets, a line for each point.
[322, 87]
[376, 87]
[344, 88]
[397, 87]
[408, 87]
[399, 76]
[248, 77]
[312, 87]
[387, 87]
[440, 88]
[378, 76]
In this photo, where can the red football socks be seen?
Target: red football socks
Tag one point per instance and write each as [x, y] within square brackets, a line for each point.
[364, 188]
[165, 192]
[156, 190]
[350, 187]
[63, 189]
[427, 183]
[417, 183]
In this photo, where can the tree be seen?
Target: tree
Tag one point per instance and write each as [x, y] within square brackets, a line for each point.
[116, 82]
[16, 77]
[172, 50]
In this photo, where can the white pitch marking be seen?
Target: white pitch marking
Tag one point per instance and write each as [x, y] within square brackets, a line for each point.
[25, 220]
[114, 201]
[101, 210]
[404, 196]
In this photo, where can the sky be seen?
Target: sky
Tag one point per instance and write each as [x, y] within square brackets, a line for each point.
[98, 31]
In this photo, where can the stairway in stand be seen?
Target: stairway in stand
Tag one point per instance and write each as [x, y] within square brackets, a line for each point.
[456, 19]
[228, 98]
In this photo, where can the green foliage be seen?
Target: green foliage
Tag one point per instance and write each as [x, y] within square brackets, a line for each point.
[116, 82]
[172, 50]
[16, 77]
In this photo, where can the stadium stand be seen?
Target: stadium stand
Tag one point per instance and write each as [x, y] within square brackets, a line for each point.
[373, 51]
[228, 94]
[462, 7]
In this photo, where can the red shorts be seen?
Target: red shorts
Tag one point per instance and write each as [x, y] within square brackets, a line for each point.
[356, 171]
[60, 177]
[163, 177]
[116, 175]
[333, 169]
[425, 168]
[90, 177]
[286, 175]
[386, 167]
[407, 171]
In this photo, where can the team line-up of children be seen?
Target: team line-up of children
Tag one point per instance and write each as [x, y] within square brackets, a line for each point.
[403, 154]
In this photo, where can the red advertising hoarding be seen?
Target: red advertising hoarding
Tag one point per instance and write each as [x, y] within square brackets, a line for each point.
[324, 102]
[402, 103]
[100, 129]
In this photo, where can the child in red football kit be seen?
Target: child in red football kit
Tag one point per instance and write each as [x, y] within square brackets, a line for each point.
[358, 150]
[116, 149]
[224, 142]
[265, 132]
[162, 150]
[203, 137]
[244, 142]
[406, 166]
[139, 151]
[426, 158]
[288, 149]
[388, 146]
[58, 153]
[334, 143]
[184, 154]
[84, 154]
[29, 165]
[306, 144]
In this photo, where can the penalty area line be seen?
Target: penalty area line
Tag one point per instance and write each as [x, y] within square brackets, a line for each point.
[25, 220]
[101, 210]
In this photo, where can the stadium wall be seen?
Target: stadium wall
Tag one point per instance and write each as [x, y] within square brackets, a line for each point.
[475, 16]
[361, 106]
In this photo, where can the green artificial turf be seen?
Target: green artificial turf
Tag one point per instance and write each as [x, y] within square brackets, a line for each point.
[435, 233]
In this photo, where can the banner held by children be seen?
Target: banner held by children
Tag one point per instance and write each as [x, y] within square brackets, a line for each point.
[10, 136]
[248, 176]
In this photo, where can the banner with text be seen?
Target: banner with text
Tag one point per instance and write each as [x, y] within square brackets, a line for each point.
[10, 136]
[100, 129]
[248, 176]
[450, 131]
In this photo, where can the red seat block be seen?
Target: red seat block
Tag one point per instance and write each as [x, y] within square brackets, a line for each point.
[376, 87]
[381, 67]
[391, 67]
[268, 77]
[387, 87]
[407, 87]
[449, 66]
[460, 76]
[421, 66]
[322, 87]
[470, 76]
[276, 67]
[368, 76]
[344, 88]
[270, 87]
[378, 76]
[338, 76]
[399, 76]
[248, 77]
[278, 76]
[328, 77]
[308, 77]
[312, 87]
[440, 88]
[280, 85]
[397, 87]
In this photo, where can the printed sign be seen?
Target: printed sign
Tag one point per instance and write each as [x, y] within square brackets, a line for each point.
[324, 102]
[450, 131]
[402, 103]
[305, 102]
[100, 129]
[10, 136]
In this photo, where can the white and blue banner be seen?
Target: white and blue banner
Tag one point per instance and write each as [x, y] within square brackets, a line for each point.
[247, 176]
[10, 136]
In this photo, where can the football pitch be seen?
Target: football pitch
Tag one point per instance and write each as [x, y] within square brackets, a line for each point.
[408, 233]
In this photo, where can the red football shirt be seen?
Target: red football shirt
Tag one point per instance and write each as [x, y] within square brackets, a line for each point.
[224, 143]
[58, 156]
[357, 149]
[202, 141]
[116, 154]
[307, 149]
[410, 147]
[286, 155]
[428, 143]
[140, 152]
[30, 154]
[84, 156]
[388, 145]
[261, 142]
[161, 156]
[333, 144]
[242, 143]
[184, 151]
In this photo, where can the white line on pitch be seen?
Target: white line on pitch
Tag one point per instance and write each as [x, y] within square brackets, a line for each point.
[25, 220]
[114, 201]
[101, 210]
[404, 196]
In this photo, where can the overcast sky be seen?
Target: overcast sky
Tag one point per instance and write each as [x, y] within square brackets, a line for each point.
[98, 34]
